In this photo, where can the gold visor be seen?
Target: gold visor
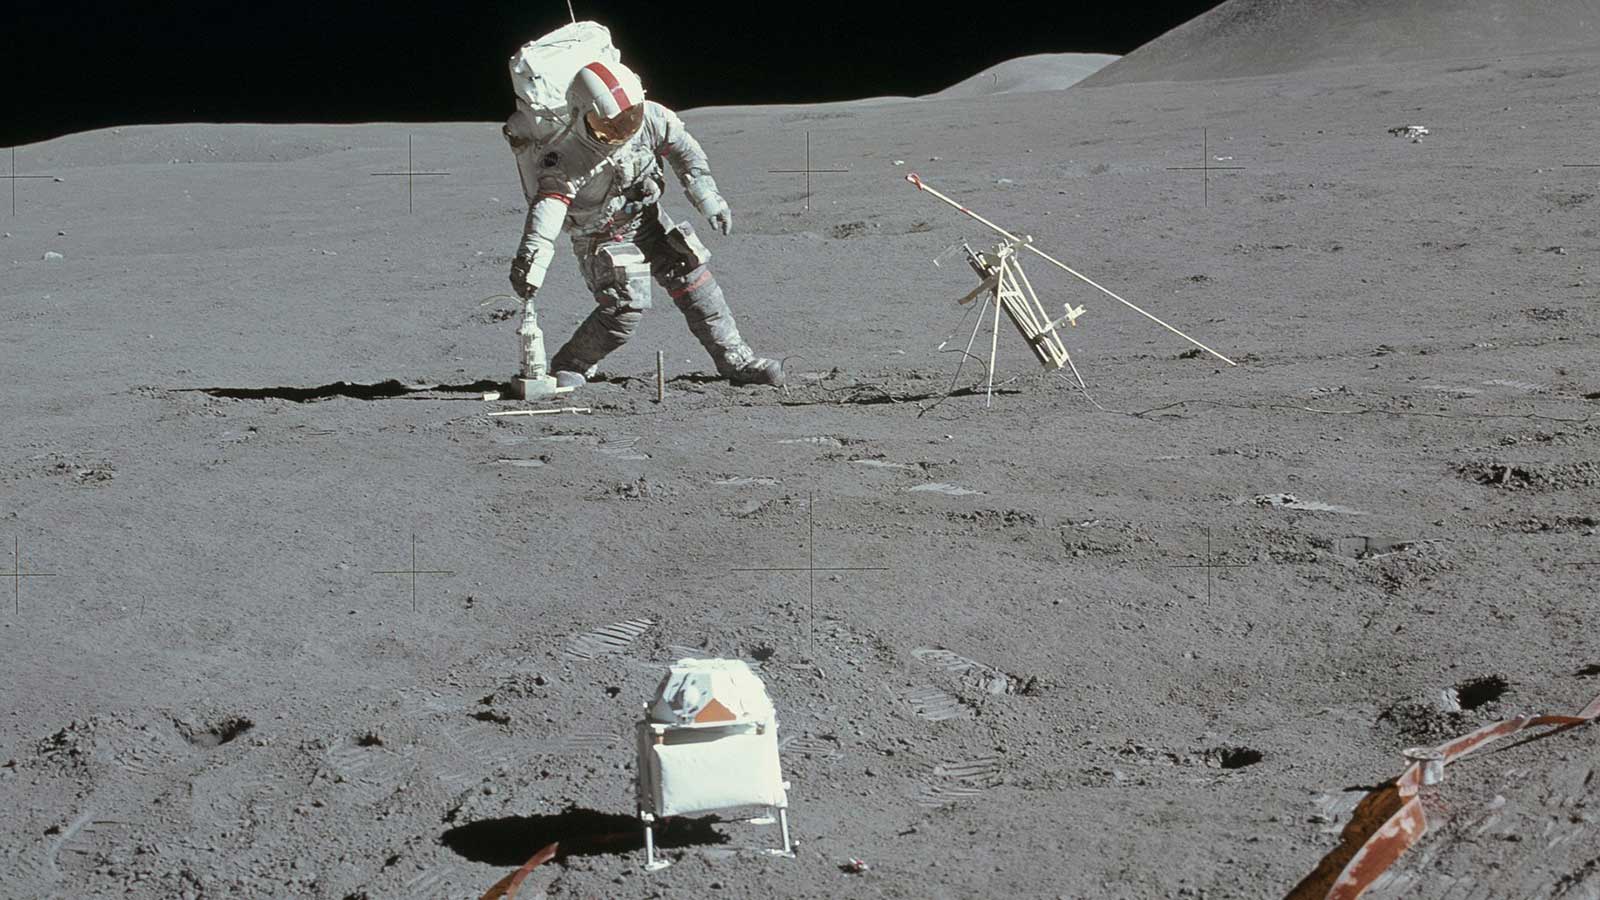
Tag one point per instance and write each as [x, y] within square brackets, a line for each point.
[617, 129]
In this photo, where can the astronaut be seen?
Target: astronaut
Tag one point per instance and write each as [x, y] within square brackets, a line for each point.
[602, 178]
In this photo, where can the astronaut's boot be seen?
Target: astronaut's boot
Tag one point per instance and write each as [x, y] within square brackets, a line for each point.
[606, 329]
[710, 320]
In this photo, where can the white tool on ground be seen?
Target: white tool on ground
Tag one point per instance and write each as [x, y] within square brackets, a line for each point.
[581, 410]
[709, 743]
[1008, 289]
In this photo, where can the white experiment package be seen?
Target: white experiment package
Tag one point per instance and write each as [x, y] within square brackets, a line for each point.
[709, 742]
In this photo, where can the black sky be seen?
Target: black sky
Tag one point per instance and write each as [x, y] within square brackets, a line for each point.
[75, 66]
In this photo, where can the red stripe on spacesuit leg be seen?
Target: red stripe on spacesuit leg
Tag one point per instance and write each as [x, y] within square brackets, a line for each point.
[562, 197]
[611, 83]
[698, 282]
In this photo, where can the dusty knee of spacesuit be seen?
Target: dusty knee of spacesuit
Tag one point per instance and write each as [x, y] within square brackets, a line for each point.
[620, 321]
[619, 276]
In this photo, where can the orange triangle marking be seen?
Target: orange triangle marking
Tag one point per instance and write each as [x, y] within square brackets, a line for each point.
[714, 712]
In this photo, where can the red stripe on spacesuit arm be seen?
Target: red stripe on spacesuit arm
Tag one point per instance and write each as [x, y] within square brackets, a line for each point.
[554, 196]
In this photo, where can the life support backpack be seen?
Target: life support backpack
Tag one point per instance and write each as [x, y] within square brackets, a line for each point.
[541, 72]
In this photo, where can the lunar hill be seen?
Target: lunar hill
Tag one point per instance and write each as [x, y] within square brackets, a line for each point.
[1023, 75]
[1262, 37]
[1028, 74]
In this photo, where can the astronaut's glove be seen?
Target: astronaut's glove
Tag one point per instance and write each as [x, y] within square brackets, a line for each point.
[721, 217]
[640, 197]
[708, 201]
[520, 283]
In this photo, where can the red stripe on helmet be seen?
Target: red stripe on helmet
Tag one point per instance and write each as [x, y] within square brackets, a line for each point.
[611, 83]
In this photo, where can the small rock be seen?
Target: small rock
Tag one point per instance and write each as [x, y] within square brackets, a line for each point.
[50, 255]
[898, 162]
[1415, 132]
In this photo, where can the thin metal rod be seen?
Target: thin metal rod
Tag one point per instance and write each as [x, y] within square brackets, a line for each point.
[661, 376]
[808, 171]
[921, 186]
[571, 13]
[542, 412]
[811, 549]
[994, 331]
[1075, 374]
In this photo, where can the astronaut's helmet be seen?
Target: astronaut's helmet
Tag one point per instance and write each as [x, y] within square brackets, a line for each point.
[610, 100]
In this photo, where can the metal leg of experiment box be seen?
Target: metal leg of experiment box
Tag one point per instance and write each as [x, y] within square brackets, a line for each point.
[783, 826]
[651, 864]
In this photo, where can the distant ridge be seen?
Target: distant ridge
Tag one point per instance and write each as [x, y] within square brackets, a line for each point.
[1265, 37]
[1028, 74]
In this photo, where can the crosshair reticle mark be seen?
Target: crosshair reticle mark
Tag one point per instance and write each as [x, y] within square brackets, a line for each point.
[1210, 565]
[807, 171]
[13, 177]
[413, 572]
[811, 568]
[410, 174]
[1205, 168]
[16, 575]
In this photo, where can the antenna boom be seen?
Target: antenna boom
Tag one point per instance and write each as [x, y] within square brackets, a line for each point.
[1027, 243]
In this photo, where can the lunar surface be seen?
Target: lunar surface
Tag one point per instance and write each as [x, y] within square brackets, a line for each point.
[1151, 640]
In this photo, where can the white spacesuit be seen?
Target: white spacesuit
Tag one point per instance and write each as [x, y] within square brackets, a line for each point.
[602, 177]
